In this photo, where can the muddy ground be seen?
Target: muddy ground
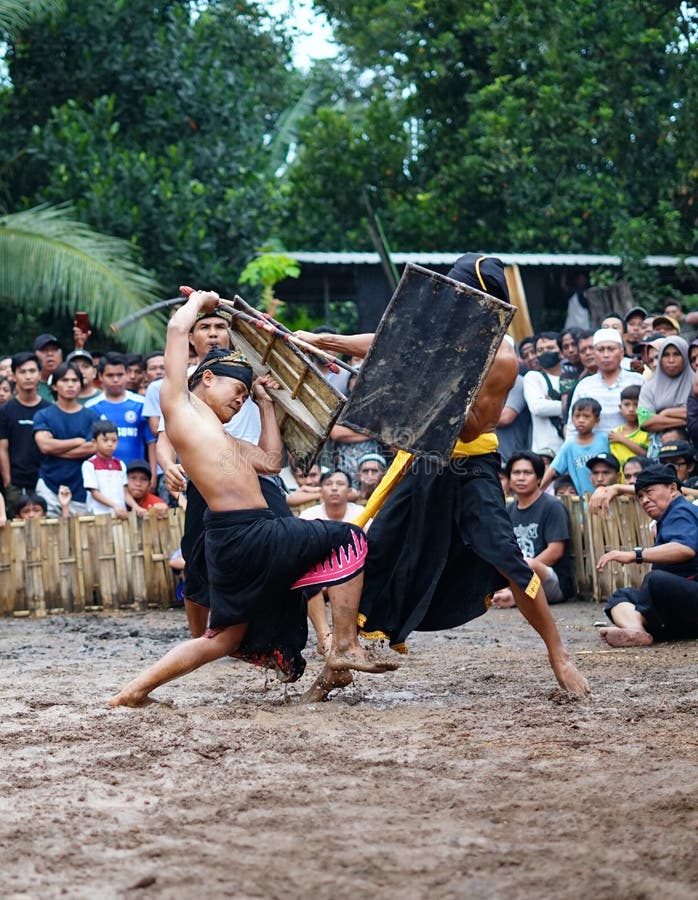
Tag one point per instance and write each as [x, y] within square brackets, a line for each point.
[464, 774]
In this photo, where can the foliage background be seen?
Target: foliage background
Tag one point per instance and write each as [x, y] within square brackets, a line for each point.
[185, 130]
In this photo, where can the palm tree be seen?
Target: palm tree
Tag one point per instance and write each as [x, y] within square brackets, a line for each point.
[51, 261]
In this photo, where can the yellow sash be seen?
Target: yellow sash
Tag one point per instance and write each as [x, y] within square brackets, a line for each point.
[484, 443]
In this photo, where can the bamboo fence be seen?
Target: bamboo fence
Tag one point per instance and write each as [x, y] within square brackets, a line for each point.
[624, 527]
[88, 563]
[100, 563]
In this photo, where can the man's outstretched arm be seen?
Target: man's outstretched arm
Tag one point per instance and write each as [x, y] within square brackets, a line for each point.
[348, 344]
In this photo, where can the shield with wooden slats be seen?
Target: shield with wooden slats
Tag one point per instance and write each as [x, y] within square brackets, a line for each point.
[431, 353]
[307, 406]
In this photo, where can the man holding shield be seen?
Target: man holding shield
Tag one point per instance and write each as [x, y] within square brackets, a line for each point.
[442, 542]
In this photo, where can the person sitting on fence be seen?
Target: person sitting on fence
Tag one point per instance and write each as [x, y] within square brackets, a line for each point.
[577, 450]
[104, 476]
[542, 530]
[138, 478]
[665, 606]
[252, 557]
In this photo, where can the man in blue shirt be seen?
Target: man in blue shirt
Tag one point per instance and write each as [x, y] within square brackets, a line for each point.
[665, 606]
[124, 408]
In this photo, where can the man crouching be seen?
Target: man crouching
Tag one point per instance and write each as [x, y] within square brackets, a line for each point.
[252, 557]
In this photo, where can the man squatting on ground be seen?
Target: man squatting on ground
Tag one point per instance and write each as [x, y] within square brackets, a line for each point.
[252, 557]
[442, 543]
[665, 606]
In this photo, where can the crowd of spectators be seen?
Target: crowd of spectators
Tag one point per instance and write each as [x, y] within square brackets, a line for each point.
[589, 410]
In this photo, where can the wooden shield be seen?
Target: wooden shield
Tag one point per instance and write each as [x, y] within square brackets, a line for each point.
[307, 406]
[431, 353]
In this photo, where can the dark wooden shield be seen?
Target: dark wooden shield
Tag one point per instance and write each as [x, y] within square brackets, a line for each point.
[431, 353]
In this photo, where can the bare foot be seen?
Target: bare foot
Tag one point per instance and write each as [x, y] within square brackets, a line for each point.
[359, 661]
[503, 599]
[569, 677]
[626, 637]
[128, 698]
[326, 681]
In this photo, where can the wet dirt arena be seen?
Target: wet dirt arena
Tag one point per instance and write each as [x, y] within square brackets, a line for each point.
[464, 774]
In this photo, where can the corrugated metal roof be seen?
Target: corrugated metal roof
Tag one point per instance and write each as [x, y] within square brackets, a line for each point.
[509, 259]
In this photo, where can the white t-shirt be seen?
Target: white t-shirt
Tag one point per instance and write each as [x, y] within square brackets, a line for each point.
[543, 432]
[319, 512]
[108, 476]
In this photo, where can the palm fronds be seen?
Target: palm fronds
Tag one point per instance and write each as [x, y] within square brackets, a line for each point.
[49, 260]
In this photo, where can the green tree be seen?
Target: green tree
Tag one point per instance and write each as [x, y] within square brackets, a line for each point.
[158, 124]
[526, 127]
[51, 263]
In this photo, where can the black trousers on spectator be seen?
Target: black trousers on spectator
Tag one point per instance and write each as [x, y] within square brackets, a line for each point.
[668, 602]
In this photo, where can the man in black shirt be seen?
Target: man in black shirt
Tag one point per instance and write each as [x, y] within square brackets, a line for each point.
[20, 458]
[541, 526]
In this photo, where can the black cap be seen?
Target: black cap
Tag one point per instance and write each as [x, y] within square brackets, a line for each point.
[491, 278]
[677, 448]
[607, 458]
[79, 354]
[656, 474]
[139, 465]
[635, 311]
[43, 339]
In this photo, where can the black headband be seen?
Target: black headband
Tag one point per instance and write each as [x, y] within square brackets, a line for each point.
[226, 364]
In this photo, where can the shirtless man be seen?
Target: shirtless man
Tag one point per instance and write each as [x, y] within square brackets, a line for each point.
[443, 542]
[243, 536]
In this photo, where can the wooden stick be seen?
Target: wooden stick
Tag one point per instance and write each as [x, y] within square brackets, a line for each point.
[264, 325]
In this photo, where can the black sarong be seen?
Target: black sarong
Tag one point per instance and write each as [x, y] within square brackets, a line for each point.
[437, 548]
[254, 558]
[275, 640]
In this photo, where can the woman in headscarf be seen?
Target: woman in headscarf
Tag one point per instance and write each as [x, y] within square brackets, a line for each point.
[663, 397]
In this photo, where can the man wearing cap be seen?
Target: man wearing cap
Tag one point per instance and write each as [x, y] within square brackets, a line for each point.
[138, 475]
[442, 543]
[666, 326]
[84, 361]
[50, 356]
[604, 468]
[682, 456]
[665, 606]
[632, 323]
[608, 382]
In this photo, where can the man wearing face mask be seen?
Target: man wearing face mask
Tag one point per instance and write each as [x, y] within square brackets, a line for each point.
[542, 394]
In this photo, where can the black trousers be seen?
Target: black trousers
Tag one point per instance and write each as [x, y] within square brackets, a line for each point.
[668, 602]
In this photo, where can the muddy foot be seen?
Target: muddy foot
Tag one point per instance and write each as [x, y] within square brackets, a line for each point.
[626, 637]
[130, 699]
[328, 680]
[359, 661]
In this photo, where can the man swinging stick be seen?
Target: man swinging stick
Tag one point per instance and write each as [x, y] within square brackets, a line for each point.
[252, 557]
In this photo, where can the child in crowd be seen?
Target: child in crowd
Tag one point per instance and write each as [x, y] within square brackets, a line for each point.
[34, 506]
[138, 473]
[574, 454]
[629, 439]
[564, 486]
[104, 476]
